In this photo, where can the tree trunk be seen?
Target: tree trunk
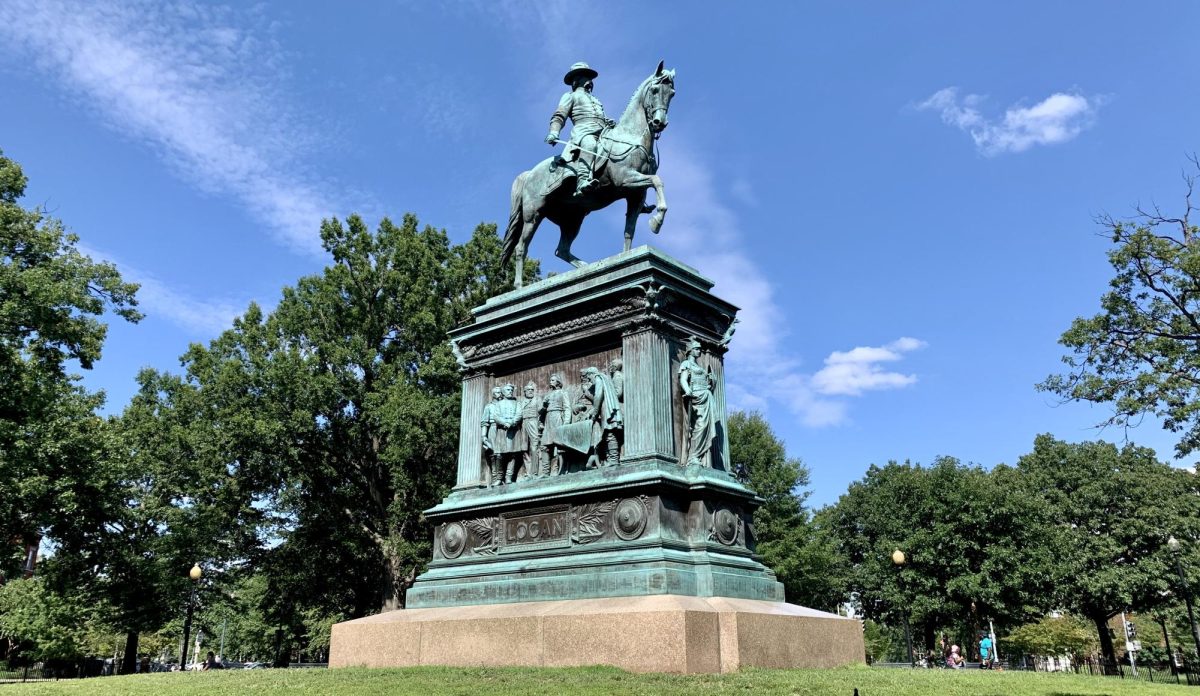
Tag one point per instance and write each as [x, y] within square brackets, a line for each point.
[129, 662]
[393, 589]
[1106, 643]
[928, 636]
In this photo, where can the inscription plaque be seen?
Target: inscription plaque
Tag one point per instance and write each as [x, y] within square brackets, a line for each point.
[540, 528]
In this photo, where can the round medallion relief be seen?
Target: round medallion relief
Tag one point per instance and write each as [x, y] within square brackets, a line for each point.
[629, 519]
[725, 526]
[454, 539]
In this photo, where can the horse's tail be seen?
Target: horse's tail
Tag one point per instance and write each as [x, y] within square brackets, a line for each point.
[512, 234]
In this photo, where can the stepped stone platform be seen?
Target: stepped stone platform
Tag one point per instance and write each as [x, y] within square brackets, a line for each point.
[660, 633]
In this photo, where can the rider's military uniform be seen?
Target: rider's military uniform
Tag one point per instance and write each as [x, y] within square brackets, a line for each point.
[587, 122]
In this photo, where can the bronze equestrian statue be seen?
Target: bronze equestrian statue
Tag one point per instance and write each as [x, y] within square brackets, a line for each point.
[606, 161]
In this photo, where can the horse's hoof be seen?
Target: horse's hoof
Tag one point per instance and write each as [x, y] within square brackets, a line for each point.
[578, 263]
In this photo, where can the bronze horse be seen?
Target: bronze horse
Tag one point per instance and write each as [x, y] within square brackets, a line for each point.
[626, 169]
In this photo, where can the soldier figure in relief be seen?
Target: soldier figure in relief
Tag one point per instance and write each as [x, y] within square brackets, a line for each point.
[488, 423]
[616, 373]
[531, 424]
[587, 123]
[554, 410]
[507, 439]
[607, 419]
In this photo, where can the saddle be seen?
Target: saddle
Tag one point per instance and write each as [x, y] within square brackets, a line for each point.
[560, 167]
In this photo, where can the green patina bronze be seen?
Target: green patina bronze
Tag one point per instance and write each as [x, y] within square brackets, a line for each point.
[615, 482]
[608, 161]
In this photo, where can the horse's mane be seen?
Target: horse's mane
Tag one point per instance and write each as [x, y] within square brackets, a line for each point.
[635, 100]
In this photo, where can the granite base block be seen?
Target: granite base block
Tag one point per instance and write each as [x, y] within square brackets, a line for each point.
[662, 633]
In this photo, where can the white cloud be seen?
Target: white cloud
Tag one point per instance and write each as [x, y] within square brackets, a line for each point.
[858, 370]
[1056, 119]
[205, 318]
[193, 81]
[700, 228]
[761, 369]
[202, 318]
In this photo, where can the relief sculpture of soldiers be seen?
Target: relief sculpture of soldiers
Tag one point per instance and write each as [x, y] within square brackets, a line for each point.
[561, 432]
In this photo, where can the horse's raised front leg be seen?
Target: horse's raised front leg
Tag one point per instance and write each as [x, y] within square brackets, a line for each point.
[660, 210]
[570, 230]
[645, 181]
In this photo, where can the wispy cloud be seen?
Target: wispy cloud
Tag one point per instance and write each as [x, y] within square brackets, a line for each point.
[762, 369]
[701, 228]
[1056, 119]
[200, 318]
[193, 81]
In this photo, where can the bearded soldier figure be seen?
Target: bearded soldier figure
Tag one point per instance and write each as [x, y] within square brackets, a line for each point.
[587, 123]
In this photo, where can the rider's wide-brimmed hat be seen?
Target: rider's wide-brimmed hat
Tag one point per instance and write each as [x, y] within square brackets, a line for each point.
[580, 70]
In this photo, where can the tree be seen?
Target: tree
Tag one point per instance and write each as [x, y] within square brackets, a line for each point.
[50, 298]
[975, 545]
[338, 411]
[1112, 511]
[1141, 353]
[801, 556]
[48, 625]
[1052, 636]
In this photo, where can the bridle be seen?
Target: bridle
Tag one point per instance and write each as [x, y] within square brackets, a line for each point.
[648, 113]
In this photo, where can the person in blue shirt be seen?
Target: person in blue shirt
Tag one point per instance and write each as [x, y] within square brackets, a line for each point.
[985, 651]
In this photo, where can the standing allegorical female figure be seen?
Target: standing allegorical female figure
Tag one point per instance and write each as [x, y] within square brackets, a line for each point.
[696, 381]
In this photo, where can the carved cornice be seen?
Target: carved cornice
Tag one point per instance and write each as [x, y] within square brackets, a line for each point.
[554, 327]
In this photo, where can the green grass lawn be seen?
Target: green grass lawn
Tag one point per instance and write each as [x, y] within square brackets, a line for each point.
[432, 681]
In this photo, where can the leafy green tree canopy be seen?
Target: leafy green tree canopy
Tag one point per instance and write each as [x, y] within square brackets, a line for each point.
[1053, 636]
[51, 299]
[802, 557]
[1111, 511]
[337, 413]
[1141, 353]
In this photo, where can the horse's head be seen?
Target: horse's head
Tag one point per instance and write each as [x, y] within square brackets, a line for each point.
[656, 98]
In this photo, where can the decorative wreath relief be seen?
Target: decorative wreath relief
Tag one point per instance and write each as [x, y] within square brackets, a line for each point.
[629, 520]
[454, 539]
[484, 530]
[725, 526]
[589, 521]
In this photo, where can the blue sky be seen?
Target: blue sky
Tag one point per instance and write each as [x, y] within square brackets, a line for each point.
[900, 197]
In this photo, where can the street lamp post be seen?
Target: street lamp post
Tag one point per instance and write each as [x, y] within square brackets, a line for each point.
[1162, 621]
[194, 574]
[899, 559]
[1176, 547]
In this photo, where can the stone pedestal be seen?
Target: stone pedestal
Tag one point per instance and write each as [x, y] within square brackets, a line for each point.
[646, 561]
[645, 526]
[663, 633]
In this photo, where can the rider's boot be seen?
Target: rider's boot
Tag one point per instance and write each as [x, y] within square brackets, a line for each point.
[583, 179]
[495, 470]
[510, 470]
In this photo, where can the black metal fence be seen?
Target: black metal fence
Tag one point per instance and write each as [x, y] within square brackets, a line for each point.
[1157, 674]
[1166, 674]
[27, 674]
